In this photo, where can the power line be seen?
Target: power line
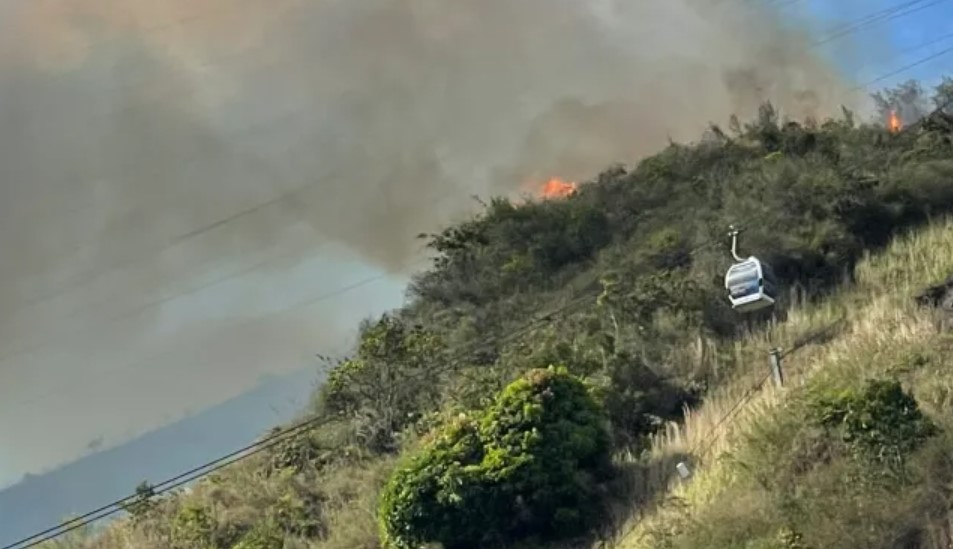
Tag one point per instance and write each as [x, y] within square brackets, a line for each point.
[294, 307]
[918, 62]
[693, 251]
[270, 441]
[239, 273]
[260, 446]
[781, 4]
[235, 456]
[234, 217]
[703, 448]
[905, 68]
[921, 45]
[171, 483]
[215, 282]
[882, 16]
[196, 232]
[189, 234]
[273, 440]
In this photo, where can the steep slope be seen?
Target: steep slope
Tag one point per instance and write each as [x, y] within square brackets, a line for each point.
[619, 283]
[766, 469]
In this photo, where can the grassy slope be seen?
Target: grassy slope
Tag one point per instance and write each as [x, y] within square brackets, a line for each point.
[814, 198]
[883, 333]
[881, 327]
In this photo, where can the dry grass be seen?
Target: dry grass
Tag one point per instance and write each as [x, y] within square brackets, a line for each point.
[346, 513]
[881, 325]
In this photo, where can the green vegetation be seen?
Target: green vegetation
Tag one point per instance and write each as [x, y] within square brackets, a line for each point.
[443, 427]
[526, 467]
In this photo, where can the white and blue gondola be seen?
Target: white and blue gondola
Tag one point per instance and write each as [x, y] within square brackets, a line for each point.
[751, 285]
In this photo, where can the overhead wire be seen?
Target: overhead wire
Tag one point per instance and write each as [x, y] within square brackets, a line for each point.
[199, 231]
[707, 443]
[270, 441]
[311, 300]
[280, 436]
[285, 434]
[882, 16]
[196, 232]
[24, 349]
[225, 278]
[198, 472]
[184, 478]
[293, 307]
[82, 327]
[916, 63]
[273, 439]
[905, 68]
[189, 234]
[244, 52]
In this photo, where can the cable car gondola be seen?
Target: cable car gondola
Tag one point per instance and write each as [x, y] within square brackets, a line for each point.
[751, 285]
[750, 282]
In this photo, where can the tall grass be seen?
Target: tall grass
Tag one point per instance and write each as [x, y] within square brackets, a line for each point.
[881, 327]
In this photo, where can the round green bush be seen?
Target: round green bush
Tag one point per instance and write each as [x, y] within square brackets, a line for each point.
[527, 467]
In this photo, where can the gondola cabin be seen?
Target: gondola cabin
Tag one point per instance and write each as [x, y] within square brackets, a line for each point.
[751, 285]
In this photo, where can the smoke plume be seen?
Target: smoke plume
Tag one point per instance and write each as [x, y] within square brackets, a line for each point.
[150, 148]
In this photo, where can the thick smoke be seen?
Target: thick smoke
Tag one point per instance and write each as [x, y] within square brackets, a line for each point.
[144, 147]
[380, 109]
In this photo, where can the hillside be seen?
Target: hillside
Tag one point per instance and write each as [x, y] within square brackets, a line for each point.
[774, 470]
[532, 392]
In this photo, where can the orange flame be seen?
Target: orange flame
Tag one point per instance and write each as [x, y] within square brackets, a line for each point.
[894, 124]
[557, 188]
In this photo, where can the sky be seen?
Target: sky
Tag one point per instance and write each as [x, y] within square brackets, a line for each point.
[882, 46]
[191, 192]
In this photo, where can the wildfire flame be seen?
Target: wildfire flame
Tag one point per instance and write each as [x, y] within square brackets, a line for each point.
[557, 188]
[893, 123]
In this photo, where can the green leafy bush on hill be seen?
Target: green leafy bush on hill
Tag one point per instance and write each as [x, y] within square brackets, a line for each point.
[526, 467]
[393, 377]
[880, 423]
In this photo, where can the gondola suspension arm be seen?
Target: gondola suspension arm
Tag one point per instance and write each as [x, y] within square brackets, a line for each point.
[733, 233]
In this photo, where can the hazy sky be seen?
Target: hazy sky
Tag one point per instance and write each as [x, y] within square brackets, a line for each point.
[148, 267]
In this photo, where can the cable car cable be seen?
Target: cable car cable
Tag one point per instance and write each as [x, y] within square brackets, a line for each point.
[702, 449]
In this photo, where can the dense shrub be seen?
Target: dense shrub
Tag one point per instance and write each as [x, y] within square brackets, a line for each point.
[511, 248]
[193, 527]
[392, 378]
[880, 422]
[528, 465]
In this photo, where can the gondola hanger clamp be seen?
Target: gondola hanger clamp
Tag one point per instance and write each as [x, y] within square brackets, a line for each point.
[750, 282]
